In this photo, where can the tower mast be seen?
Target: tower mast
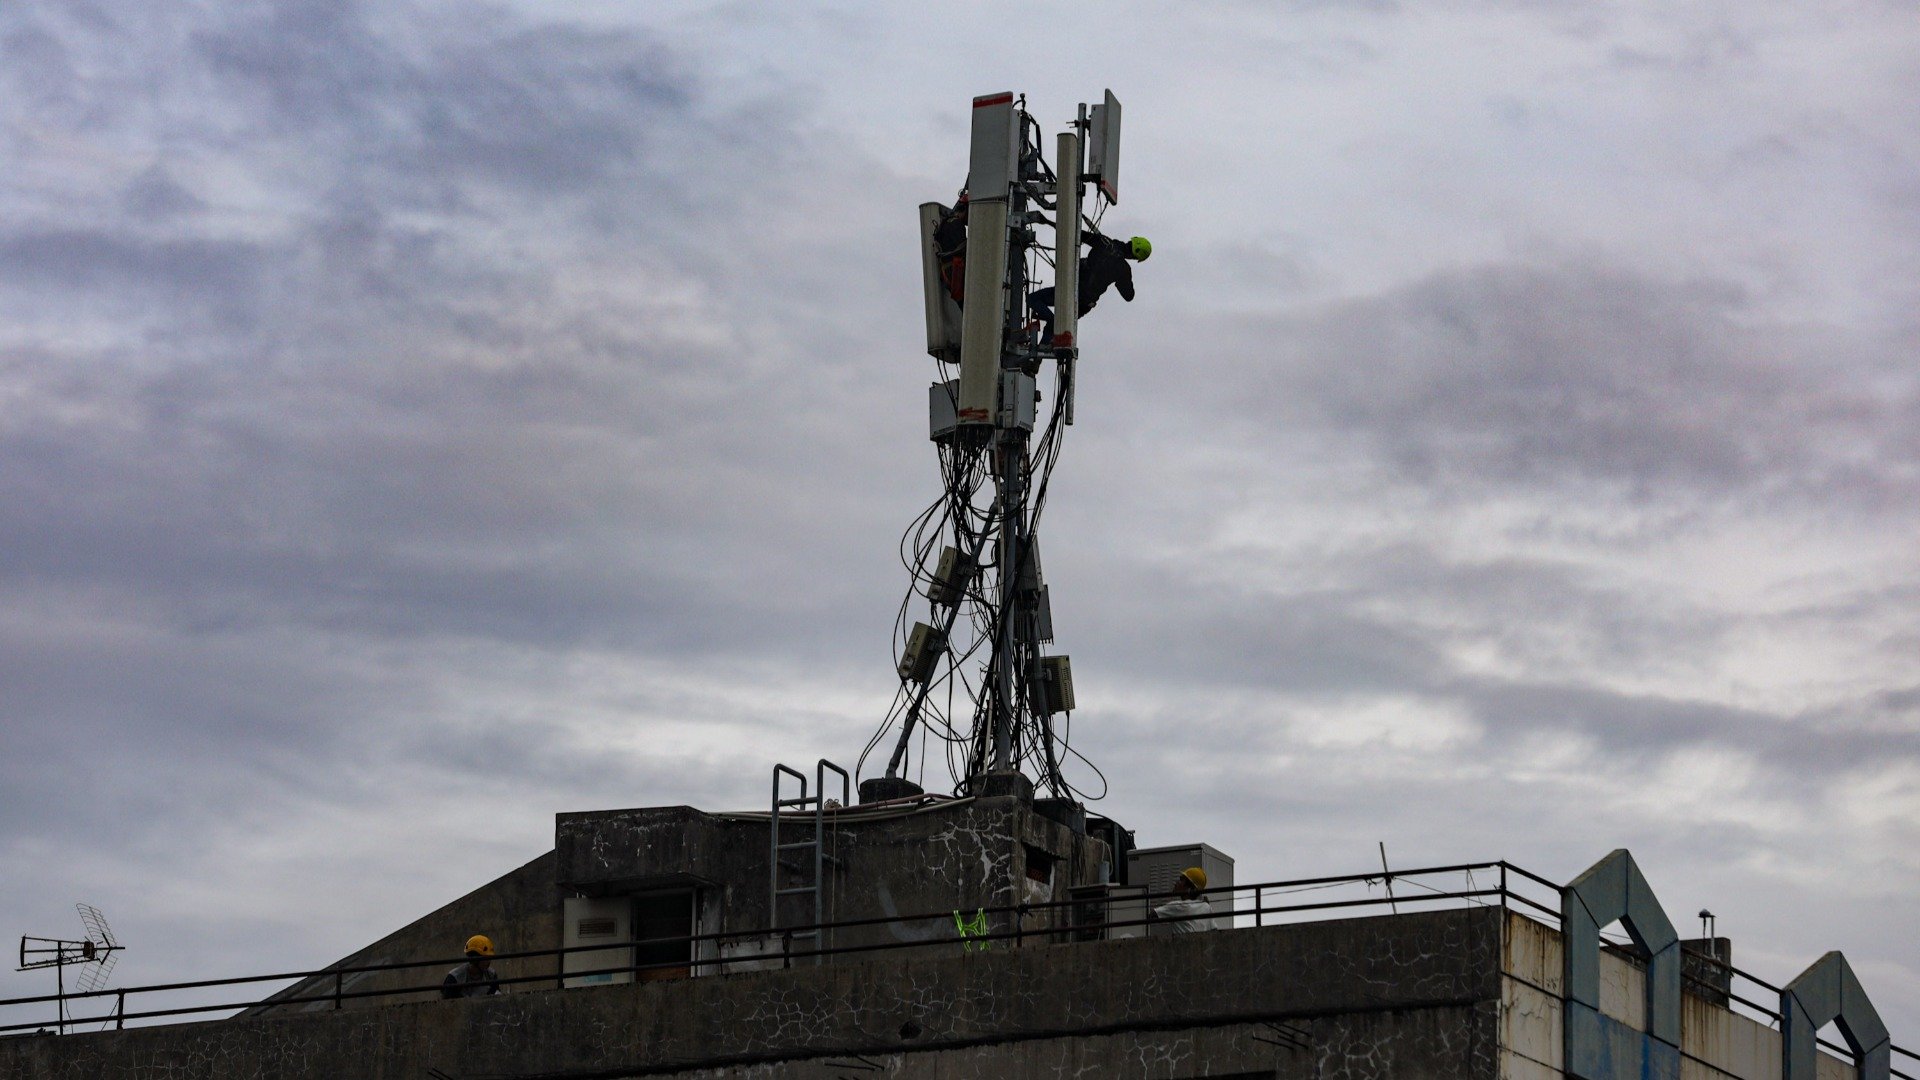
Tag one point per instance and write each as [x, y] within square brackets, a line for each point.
[986, 592]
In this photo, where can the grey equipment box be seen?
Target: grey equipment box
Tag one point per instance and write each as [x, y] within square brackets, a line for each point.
[1097, 905]
[1157, 868]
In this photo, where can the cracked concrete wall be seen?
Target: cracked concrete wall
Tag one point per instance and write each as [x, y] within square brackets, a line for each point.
[1411, 995]
[961, 855]
[969, 855]
[1441, 1042]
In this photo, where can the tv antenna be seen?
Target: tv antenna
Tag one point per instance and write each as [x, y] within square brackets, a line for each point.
[93, 956]
[975, 673]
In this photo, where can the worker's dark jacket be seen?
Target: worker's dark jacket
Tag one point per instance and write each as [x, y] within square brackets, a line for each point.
[462, 982]
[1105, 265]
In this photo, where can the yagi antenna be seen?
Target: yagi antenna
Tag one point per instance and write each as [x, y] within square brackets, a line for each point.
[93, 956]
[93, 976]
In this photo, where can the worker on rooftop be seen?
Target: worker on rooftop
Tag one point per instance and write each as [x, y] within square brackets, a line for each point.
[1188, 908]
[476, 977]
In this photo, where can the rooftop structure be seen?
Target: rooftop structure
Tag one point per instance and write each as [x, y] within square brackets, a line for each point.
[976, 937]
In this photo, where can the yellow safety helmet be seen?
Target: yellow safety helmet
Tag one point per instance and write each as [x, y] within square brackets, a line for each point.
[1139, 247]
[479, 945]
[1195, 877]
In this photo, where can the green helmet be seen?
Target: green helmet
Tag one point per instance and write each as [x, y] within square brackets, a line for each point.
[1139, 248]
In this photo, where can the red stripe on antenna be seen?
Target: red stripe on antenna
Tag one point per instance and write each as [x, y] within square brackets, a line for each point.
[997, 99]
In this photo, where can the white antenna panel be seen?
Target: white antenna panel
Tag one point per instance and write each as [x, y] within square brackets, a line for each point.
[1066, 257]
[984, 320]
[1103, 147]
[943, 315]
[996, 147]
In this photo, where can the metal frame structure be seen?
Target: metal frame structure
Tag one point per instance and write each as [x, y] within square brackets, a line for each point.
[1614, 889]
[815, 843]
[62, 953]
[990, 431]
[1828, 991]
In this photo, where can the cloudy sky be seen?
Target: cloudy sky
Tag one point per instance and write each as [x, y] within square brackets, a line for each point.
[417, 419]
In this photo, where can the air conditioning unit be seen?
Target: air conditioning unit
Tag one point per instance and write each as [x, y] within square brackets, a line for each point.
[592, 920]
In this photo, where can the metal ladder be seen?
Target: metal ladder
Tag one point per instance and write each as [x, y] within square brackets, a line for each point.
[816, 800]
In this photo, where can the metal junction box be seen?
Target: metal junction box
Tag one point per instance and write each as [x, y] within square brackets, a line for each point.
[943, 410]
[1017, 400]
[924, 648]
[951, 577]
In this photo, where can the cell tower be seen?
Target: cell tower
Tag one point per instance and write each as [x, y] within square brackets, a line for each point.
[94, 957]
[976, 679]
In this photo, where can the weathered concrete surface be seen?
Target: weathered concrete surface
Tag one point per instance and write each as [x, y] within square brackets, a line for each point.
[519, 910]
[1411, 995]
[1715, 1043]
[965, 855]
[1427, 1044]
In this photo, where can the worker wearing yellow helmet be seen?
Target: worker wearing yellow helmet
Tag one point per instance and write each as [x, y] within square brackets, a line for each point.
[476, 977]
[1104, 266]
[1189, 907]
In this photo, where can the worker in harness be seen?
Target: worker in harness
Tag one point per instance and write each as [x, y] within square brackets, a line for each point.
[950, 249]
[1103, 266]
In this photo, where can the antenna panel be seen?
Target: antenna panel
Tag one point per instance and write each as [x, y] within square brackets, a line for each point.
[943, 315]
[1066, 244]
[996, 147]
[984, 323]
[1103, 147]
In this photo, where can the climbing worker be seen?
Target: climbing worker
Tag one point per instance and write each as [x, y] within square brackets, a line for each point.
[1104, 265]
[476, 977]
[950, 249]
[1188, 908]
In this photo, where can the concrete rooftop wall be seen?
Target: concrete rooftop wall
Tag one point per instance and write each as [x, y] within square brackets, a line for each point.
[1715, 1043]
[1413, 995]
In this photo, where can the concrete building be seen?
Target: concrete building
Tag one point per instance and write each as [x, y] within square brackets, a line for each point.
[1011, 973]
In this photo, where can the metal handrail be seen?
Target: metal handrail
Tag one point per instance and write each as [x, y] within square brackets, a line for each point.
[339, 994]
[724, 935]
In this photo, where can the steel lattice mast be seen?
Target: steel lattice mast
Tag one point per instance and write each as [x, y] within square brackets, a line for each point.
[986, 592]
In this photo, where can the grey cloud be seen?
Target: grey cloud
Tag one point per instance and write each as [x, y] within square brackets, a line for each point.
[157, 196]
[37, 67]
[381, 447]
[1701, 52]
[543, 110]
[1541, 375]
[105, 267]
[1178, 630]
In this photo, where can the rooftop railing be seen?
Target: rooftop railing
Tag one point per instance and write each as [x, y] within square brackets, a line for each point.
[1487, 884]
